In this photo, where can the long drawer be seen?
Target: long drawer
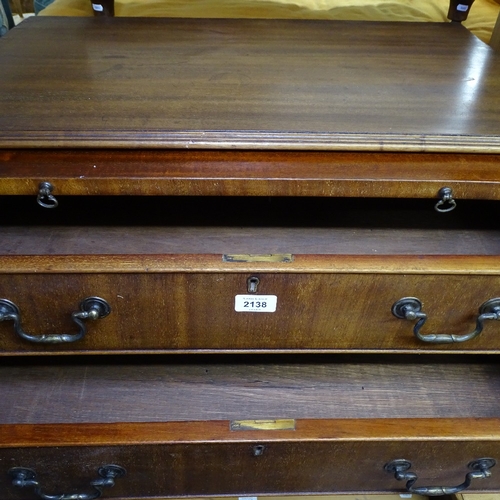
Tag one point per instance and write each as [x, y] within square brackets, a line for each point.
[238, 428]
[317, 275]
[181, 311]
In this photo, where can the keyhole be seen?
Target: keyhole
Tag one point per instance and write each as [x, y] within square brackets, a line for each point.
[252, 284]
[258, 450]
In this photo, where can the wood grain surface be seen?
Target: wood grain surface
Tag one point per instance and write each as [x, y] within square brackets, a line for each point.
[195, 312]
[172, 287]
[248, 173]
[200, 233]
[259, 84]
[156, 389]
[463, 265]
[136, 240]
[415, 116]
[176, 469]
[477, 429]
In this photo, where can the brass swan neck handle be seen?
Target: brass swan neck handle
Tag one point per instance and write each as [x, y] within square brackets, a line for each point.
[23, 477]
[410, 308]
[480, 469]
[90, 308]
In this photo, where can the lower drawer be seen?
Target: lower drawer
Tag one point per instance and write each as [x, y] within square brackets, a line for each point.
[246, 429]
[194, 459]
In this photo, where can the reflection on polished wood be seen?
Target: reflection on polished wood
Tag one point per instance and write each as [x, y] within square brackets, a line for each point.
[244, 84]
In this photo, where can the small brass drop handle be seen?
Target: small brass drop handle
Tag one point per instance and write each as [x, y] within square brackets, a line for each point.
[90, 308]
[410, 308]
[480, 469]
[23, 477]
[446, 202]
[45, 197]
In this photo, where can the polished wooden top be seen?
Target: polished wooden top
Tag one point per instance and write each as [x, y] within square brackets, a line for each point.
[248, 84]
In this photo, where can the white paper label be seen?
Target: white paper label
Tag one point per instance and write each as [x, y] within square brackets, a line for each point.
[462, 8]
[247, 498]
[255, 303]
[97, 7]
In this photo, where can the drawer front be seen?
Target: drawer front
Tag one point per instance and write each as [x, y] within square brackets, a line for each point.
[85, 172]
[196, 311]
[248, 468]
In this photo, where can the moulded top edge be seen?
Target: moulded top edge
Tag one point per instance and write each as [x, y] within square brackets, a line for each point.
[253, 140]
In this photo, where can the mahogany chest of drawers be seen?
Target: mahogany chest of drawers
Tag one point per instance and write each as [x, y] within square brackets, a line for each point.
[264, 258]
